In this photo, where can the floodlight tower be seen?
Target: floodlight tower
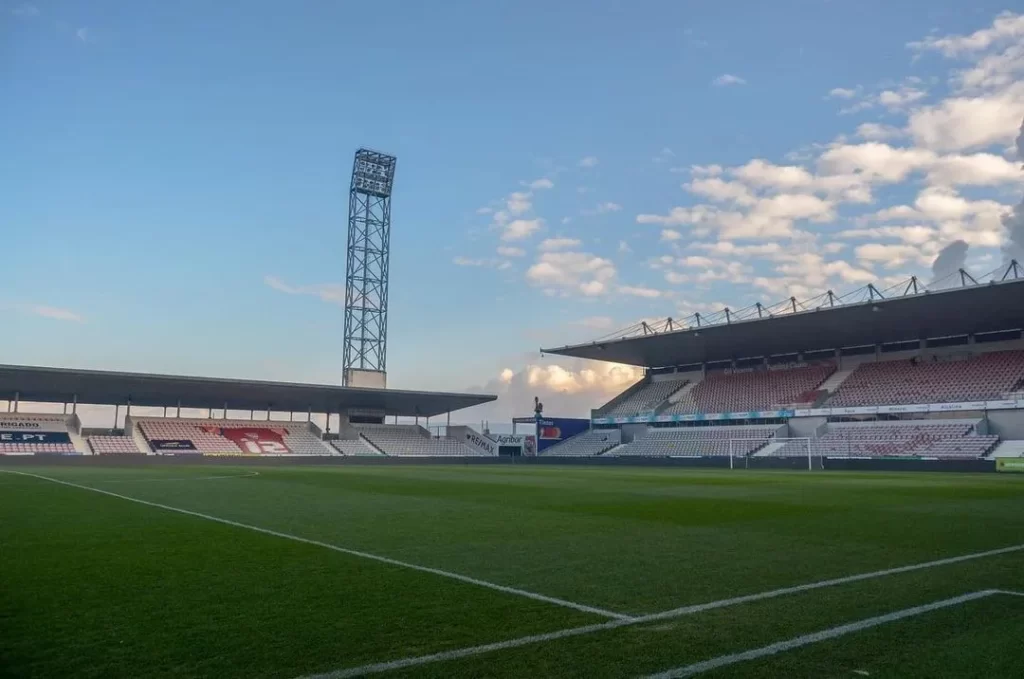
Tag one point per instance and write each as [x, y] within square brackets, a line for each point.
[366, 271]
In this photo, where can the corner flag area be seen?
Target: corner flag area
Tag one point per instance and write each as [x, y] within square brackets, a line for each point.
[510, 571]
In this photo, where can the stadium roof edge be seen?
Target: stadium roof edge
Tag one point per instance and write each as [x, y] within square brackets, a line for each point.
[96, 387]
[970, 310]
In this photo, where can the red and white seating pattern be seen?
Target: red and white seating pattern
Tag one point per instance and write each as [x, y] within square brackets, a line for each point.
[947, 380]
[644, 399]
[738, 441]
[589, 443]
[412, 440]
[112, 445]
[910, 438]
[297, 435]
[721, 392]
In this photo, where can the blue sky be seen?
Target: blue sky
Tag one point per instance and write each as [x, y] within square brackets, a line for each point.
[175, 174]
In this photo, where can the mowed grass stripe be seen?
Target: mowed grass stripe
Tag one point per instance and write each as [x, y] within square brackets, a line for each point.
[617, 544]
[583, 608]
[629, 650]
[457, 654]
[817, 637]
[91, 585]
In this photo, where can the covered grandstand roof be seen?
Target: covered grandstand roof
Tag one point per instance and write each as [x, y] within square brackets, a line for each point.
[989, 307]
[62, 385]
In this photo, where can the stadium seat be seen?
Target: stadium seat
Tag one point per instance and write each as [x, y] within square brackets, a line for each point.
[644, 399]
[210, 438]
[112, 445]
[908, 438]
[410, 440]
[732, 392]
[926, 380]
[356, 447]
[738, 441]
[589, 443]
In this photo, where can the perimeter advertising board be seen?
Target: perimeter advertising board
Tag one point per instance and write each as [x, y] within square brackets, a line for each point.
[1010, 464]
[552, 430]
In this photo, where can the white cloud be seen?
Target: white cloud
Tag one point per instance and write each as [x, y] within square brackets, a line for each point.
[878, 132]
[83, 34]
[588, 161]
[637, 291]
[624, 246]
[874, 161]
[484, 210]
[724, 247]
[570, 273]
[332, 293]
[916, 234]
[670, 235]
[55, 313]
[550, 244]
[842, 93]
[980, 169]
[892, 255]
[900, 98]
[540, 184]
[570, 387]
[518, 202]
[1006, 27]
[520, 229]
[706, 170]
[608, 207]
[698, 261]
[509, 251]
[965, 123]
[720, 190]
[727, 79]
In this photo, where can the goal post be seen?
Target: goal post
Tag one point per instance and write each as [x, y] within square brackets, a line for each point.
[745, 448]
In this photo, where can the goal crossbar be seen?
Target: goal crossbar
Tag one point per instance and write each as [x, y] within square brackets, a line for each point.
[741, 448]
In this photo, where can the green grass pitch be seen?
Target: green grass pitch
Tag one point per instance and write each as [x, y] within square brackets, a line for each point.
[93, 585]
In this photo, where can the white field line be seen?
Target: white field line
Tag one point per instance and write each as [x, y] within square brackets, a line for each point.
[815, 637]
[179, 478]
[653, 617]
[343, 550]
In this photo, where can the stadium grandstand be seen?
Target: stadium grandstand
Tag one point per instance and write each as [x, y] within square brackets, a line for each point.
[361, 413]
[915, 374]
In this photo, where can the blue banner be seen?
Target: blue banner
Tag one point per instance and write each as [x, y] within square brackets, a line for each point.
[551, 430]
[34, 437]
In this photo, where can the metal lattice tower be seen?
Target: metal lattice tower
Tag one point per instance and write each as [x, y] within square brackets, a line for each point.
[366, 272]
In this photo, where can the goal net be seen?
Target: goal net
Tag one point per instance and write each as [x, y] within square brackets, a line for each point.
[742, 450]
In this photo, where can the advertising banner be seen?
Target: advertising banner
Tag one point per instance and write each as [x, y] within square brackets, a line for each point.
[172, 445]
[34, 437]
[551, 430]
[15, 423]
[1010, 464]
[477, 442]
